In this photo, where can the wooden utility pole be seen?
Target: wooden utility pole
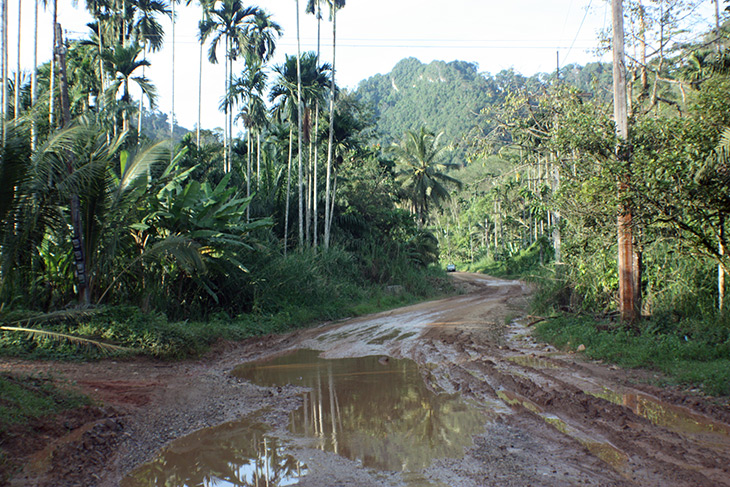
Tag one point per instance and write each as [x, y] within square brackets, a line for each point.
[626, 285]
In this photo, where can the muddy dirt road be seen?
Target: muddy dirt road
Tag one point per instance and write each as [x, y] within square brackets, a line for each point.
[479, 403]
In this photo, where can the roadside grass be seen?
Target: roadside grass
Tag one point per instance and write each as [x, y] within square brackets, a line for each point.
[153, 334]
[689, 353]
[25, 398]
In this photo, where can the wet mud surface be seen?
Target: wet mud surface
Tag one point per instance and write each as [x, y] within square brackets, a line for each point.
[452, 392]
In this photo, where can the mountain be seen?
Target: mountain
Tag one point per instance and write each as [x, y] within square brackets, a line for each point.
[449, 97]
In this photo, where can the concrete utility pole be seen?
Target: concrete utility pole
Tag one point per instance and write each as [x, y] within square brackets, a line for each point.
[627, 301]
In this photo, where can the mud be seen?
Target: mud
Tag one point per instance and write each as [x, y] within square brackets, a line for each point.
[548, 418]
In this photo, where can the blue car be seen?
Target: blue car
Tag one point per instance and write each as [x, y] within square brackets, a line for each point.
[450, 268]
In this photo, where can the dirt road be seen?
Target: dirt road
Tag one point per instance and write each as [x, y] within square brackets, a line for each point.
[535, 416]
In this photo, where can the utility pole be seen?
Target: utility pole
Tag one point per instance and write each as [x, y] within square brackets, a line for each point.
[627, 302]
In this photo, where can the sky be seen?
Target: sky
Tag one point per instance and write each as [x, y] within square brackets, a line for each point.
[529, 36]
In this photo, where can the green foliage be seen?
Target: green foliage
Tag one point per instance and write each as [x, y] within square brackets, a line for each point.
[689, 352]
[523, 264]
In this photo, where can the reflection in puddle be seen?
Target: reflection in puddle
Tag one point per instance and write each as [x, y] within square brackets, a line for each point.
[375, 411]
[672, 417]
[232, 454]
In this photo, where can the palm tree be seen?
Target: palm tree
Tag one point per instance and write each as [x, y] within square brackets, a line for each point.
[317, 12]
[123, 62]
[205, 6]
[334, 6]
[16, 113]
[147, 30]
[248, 89]
[313, 80]
[420, 172]
[228, 22]
[299, 128]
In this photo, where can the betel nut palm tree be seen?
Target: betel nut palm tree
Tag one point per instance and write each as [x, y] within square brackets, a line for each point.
[228, 22]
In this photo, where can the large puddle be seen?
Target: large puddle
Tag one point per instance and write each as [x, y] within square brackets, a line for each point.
[239, 453]
[373, 410]
[377, 411]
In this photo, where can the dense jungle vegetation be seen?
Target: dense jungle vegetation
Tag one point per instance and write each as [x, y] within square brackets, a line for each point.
[117, 231]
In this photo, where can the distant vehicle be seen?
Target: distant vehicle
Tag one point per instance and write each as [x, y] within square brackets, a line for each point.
[450, 268]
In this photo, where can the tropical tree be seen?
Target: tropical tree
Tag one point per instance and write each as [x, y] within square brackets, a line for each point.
[419, 172]
[148, 32]
[248, 90]
[123, 62]
[285, 92]
[334, 6]
[229, 23]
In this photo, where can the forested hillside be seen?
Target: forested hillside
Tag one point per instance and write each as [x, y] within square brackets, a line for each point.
[450, 98]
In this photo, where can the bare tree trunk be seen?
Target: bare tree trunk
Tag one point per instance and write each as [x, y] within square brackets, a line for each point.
[17, 69]
[34, 78]
[718, 46]
[316, 132]
[328, 214]
[79, 250]
[627, 304]
[557, 237]
[200, 93]
[299, 132]
[172, 86]
[288, 190]
[720, 269]
[248, 172]
[52, 89]
[316, 171]
[4, 73]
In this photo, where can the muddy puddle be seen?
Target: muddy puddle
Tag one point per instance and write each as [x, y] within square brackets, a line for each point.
[374, 410]
[239, 454]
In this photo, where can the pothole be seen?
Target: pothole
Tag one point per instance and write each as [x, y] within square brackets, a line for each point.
[238, 453]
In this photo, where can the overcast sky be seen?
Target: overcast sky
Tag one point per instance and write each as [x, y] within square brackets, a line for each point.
[372, 36]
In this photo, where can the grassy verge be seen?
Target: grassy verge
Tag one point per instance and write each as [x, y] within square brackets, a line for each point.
[23, 402]
[152, 334]
[688, 353]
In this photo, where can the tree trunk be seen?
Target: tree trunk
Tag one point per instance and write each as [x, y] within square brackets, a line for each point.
[288, 190]
[34, 78]
[299, 133]
[79, 251]
[4, 63]
[328, 215]
[52, 89]
[720, 269]
[627, 303]
[316, 171]
[200, 93]
[172, 85]
[316, 132]
[248, 172]
[17, 70]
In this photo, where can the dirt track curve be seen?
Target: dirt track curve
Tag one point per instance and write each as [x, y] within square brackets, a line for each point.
[550, 418]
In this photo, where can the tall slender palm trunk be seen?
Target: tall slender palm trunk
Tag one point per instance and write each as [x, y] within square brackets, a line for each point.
[316, 138]
[4, 73]
[172, 86]
[52, 90]
[288, 189]
[330, 207]
[200, 94]
[299, 132]
[34, 78]
[17, 69]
